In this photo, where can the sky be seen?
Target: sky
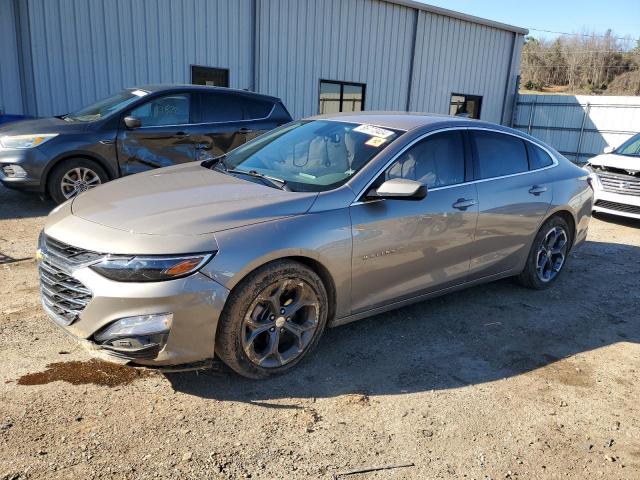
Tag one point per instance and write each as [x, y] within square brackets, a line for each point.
[623, 16]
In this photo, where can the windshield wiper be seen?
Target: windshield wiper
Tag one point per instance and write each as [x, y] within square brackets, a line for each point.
[272, 181]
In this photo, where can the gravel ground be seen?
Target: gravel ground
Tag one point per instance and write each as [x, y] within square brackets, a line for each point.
[493, 382]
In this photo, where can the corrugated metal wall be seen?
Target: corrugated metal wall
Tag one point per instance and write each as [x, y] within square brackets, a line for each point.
[559, 119]
[10, 91]
[76, 51]
[458, 56]
[364, 41]
[83, 50]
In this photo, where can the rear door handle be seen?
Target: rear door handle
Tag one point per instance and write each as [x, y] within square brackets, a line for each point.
[464, 203]
[244, 130]
[538, 189]
[182, 135]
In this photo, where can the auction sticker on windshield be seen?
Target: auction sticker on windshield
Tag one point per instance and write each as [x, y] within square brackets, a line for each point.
[375, 141]
[373, 131]
[139, 93]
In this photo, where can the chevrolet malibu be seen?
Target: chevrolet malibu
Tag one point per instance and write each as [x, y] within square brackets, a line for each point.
[250, 255]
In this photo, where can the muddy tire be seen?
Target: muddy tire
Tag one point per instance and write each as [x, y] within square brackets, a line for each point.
[272, 320]
[548, 254]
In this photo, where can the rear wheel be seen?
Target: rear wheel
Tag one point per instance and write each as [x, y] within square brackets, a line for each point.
[74, 176]
[273, 319]
[548, 254]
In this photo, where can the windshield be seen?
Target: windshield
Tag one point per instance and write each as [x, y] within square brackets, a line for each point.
[631, 147]
[312, 156]
[104, 107]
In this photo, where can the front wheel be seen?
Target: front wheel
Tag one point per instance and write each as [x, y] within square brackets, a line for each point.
[74, 176]
[548, 254]
[273, 319]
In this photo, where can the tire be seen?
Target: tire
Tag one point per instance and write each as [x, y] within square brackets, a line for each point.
[543, 266]
[83, 172]
[252, 321]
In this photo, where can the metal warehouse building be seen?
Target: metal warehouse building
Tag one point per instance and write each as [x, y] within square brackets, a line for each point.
[317, 55]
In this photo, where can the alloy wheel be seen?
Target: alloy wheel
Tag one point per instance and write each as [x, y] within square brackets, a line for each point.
[280, 323]
[78, 180]
[551, 254]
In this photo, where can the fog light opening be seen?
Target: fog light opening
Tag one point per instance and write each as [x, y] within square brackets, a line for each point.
[14, 171]
[134, 336]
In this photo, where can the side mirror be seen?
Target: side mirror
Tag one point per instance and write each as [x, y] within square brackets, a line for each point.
[609, 149]
[400, 189]
[132, 122]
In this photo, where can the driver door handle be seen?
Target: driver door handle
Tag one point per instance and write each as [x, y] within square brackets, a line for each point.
[537, 189]
[182, 134]
[464, 203]
[244, 130]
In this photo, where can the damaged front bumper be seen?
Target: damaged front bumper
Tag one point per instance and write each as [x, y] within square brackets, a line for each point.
[165, 323]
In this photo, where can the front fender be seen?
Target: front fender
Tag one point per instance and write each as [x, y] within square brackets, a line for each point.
[323, 237]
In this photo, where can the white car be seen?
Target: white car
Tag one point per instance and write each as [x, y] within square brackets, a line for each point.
[615, 177]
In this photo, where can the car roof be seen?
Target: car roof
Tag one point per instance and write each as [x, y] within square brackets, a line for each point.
[405, 120]
[185, 87]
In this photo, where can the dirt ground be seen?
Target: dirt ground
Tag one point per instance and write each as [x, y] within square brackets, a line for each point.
[493, 382]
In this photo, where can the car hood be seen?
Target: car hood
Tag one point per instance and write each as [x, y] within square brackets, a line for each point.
[623, 162]
[186, 200]
[41, 125]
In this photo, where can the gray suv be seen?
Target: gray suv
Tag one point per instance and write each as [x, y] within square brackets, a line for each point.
[250, 255]
[134, 130]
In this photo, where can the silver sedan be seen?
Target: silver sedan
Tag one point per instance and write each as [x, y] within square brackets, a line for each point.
[320, 222]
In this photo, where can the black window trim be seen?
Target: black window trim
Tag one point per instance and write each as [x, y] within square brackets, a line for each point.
[342, 85]
[479, 97]
[360, 196]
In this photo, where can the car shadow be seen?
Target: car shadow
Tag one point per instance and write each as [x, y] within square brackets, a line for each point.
[16, 204]
[616, 219]
[478, 335]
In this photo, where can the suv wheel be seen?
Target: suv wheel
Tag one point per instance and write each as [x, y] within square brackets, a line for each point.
[273, 319]
[74, 176]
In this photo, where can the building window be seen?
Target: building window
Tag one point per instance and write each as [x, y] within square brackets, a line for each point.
[341, 96]
[214, 77]
[465, 105]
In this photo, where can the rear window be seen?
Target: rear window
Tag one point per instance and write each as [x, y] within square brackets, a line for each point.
[538, 158]
[497, 154]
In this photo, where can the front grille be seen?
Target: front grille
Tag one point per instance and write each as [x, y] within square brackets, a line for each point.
[63, 296]
[68, 253]
[620, 207]
[620, 183]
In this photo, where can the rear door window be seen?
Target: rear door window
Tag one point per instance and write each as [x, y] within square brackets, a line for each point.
[218, 107]
[538, 158]
[497, 154]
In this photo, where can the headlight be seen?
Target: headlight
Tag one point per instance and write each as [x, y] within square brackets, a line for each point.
[151, 268]
[26, 141]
